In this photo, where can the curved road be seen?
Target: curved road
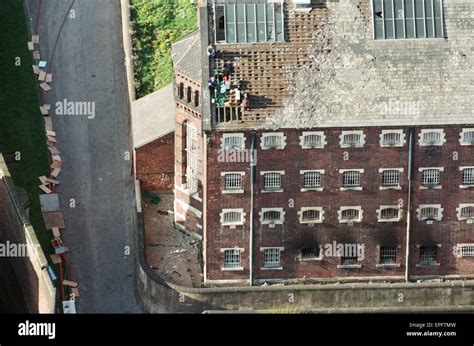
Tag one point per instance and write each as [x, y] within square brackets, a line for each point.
[88, 66]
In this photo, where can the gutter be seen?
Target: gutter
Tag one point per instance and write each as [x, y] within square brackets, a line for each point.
[411, 131]
[252, 182]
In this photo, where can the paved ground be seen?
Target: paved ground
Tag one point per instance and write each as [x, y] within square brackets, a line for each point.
[171, 253]
[88, 66]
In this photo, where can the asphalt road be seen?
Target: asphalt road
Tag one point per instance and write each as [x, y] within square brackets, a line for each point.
[87, 62]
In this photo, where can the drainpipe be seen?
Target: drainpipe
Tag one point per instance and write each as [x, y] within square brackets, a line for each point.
[411, 131]
[252, 182]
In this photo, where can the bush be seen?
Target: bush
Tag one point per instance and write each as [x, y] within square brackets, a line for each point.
[157, 25]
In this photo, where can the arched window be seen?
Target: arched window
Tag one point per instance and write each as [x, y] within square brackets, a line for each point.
[191, 149]
[180, 90]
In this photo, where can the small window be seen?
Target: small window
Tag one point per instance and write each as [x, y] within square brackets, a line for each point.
[310, 253]
[189, 94]
[388, 254]
[350, 179]
[272, 181]
[232, 217]
[428, 255]
[467, 137]
[311, 215]
[349, 139]
[271, 258]
[392, 138]
[232, 258]
[391, 178]
[233, 181]
[465, 250]
[389, 214]
[431, 177]
[196, 98]
[272, 216]
[310, 140]
[430, 213]
[350, 214]
[273, 141]
[348, 260]
[433, 137]
[312, 180]
[468, 176]
[181, 90]
[233, 141]
[466, 212]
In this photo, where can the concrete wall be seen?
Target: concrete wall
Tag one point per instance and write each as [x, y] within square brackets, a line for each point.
[31, 272]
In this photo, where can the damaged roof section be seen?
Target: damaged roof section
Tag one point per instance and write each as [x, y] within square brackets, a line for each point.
[186, 54]
[354, 80]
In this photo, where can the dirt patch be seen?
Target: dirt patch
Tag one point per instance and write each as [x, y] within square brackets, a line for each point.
[170, 253]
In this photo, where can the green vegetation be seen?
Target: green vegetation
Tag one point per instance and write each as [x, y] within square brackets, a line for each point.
[21, 123]
[157, 25]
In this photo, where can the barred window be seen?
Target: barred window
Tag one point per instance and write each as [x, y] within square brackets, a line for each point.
[398, 19]
[390, 178]
[312, 179]
[431, 177]
[392, 138]
[429, 213]
[311, 215]
[312, 141]
[467, 212]
[468, 137]
[231, 258]
[431, 138]
[348, 260]
[233, 181]
[272, 181]
[272, 141]
[389, 213]
[233, 142]
[466, 250]
[271, 258]
[352, 139]
[271, 215]
[192, 153]
[350, 214]
[468, 176]
[428, 255]
[388, 254]
[232, 217]
[351, 179]
[310, 252]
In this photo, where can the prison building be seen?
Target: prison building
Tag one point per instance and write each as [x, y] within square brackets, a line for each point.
[353, 159]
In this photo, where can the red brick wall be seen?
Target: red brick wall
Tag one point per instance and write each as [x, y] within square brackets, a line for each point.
[293, 235]
[155, 164]
[450, 231]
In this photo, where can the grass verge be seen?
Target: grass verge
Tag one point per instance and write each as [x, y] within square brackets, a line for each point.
[21, 124]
